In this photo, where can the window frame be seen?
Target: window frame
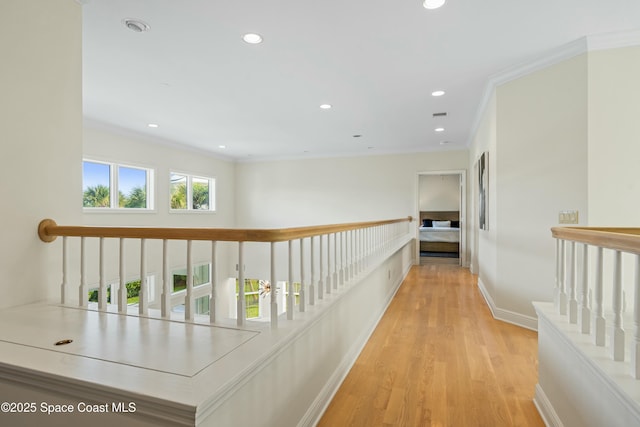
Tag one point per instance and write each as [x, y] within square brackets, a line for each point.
[189, 193]
[114, 194]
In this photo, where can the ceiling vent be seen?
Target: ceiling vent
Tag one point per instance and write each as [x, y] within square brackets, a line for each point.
[439, 114]
[136, 25]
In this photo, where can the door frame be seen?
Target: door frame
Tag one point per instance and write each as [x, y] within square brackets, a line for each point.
[462, 173]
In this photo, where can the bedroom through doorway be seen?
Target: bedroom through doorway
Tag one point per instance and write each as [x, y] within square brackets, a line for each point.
[441, 215]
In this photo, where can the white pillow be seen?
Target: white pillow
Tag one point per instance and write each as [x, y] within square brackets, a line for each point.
[442, 224]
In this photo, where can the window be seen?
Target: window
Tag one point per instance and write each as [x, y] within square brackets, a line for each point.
[133, 291]
[191, 193]
[200, 277]
[253, 288]
[114, 186]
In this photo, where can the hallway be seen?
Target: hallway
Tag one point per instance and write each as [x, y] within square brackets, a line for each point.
[438, 358]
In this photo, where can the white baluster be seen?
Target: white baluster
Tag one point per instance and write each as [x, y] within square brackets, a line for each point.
[363, 248]
[241, 304]
[350, 258]
[63, 285]
[290, 295]
[83, 298]
[617, 337]
[328, 279]
[585, 311]
[165, 298]
[335, 261]
[598, 315]
[122, 283]
[214, 284]
[571, 280]
[342, 258]
[312, 286]
[302, 285]
[143, 302]
[274, 288]
[358, 251]
[102, 286]
[189, 303]
[556, 290]
[635, 345]
[562, 295]
[320, 283]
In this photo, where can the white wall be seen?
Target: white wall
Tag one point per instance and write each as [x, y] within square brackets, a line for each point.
[439, 192]
[538, 167]
[315, 191]
[614, 137]
[102, 143]
[113, 145]
[40, 129]
[541, 170]
[483, 242]
[614, 149]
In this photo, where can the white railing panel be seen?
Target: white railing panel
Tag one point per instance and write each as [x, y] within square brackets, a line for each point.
[585, 311]
[83, 298]
[635, 345]
[65, 266]
[302, 279]
[213, 279]
[290, 294]
[241, 303]
[599, 322]
[143, 302]
[617, 336]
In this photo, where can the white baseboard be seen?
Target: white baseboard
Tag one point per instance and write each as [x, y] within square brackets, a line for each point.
[508, 316]
[545, 408]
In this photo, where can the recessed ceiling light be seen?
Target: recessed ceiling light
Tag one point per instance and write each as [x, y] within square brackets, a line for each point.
[222, 146]
[439, 129]
[252, 38]
[326, 106]
[444, 142]
[437, 93]
[152, 125]
[433, 4]
[135, 25]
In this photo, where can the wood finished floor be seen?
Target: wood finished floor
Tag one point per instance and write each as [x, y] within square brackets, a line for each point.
[438, 358]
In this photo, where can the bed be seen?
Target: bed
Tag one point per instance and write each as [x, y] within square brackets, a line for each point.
[439, 231]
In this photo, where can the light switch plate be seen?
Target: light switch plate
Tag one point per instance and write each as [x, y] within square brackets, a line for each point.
[568, 217]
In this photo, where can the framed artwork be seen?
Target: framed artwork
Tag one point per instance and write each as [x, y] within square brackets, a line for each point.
[483, 191]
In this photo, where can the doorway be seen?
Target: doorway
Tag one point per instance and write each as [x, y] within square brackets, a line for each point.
[441, 214]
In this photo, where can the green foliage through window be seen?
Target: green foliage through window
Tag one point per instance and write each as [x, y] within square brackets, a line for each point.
[133, 185]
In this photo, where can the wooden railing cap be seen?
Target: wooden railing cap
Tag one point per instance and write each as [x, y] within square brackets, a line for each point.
[48, 230]
[625, 239]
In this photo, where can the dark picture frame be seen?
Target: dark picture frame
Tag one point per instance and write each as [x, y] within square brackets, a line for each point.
[483, 191]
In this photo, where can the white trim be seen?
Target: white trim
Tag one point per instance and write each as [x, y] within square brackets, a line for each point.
[463, 252]
[213, 193]
[594, 361]
[508, 316]
[545, 408]
[613, 40]
[90, 123]
[552, 57]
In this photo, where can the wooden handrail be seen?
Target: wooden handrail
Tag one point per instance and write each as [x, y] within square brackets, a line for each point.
[625, 239]
[48, 231]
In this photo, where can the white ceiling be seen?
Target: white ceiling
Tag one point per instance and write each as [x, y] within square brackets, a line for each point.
[375, 61]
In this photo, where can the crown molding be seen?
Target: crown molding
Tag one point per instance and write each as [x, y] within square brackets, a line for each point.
[613, 40]
[560, 54]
